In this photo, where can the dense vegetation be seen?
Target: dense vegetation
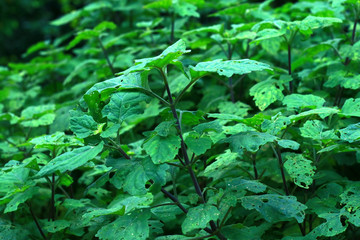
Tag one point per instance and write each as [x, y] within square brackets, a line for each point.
[184, 119]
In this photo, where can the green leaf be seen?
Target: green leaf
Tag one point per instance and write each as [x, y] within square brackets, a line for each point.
[266, 92]
[322, 112]
[162, 149]
[300, 101]
[267, 34]
[223, 162]
[227, 68]
[56, 226]
[66, 18]
[239, 184]
[197, 144]
[198, 217]
[300, 169]
[69, 161]
[123, 106]
[166, 57]
[351, 133]
[82, 125]
[314, 129]
[210, 29]
[315, 22]
[131, 226]
[288, 144]
[239, 109]
[351, 108]
[58, 139]
[19, 198]
[275, 125]
[142, 172]
[332, 227]
[275, 208]
[251, 141]
[164, 128]
[36, 116]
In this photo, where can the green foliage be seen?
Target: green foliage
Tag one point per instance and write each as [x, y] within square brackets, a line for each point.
[184, 120]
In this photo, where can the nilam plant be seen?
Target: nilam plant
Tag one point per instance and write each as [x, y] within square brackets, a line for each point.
[275, 156]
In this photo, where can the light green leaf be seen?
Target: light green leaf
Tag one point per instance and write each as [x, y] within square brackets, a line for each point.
[69, 161]
[66, 18]
[300, 169]
[227, 68]
[288, 144]
[267, 34]
[315, 22]
[239, 184]
[276, 124]
[198, 217]
[314, 129]
[212, 29]
[58, 139]
[162, 149]
[239, 109]
[251, 141]
[124, 105]
[133, 226]
[351, 133]
[164, 128]
[351, 108]
[166, 57]
[300, 101]
[266, 92]
[275, 208]
[197, 144]
[36, 116]
[322, 112]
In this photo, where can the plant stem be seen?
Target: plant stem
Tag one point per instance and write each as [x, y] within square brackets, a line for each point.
[184, 152]
[277, 153]
[36, 221]
[106, 56]
[291, 86]
[52, 201]
[117, 147]
[253, 157]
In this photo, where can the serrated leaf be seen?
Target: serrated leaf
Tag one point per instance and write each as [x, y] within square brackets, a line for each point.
[162, 149]
[123, 106]
[224, 160]
[198, 217]
[322, 112]
[275, 208]
[300, 169]
[198, 144]
[275, 125]
[332, 227]
[315, 22]
[267, 34]
[82, 125]
[35, 116]
[131, 226]
[58, 139]
[69, 161]
[251, 141]
[351, 108]
[299, 101]
[266, 92]
[227, 68]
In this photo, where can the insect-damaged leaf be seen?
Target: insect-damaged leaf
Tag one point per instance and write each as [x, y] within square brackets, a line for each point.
[300, 169]
[130, 226]
[275, 208]
[198, 217]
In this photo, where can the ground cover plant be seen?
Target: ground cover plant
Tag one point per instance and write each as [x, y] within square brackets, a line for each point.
[185, 120]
